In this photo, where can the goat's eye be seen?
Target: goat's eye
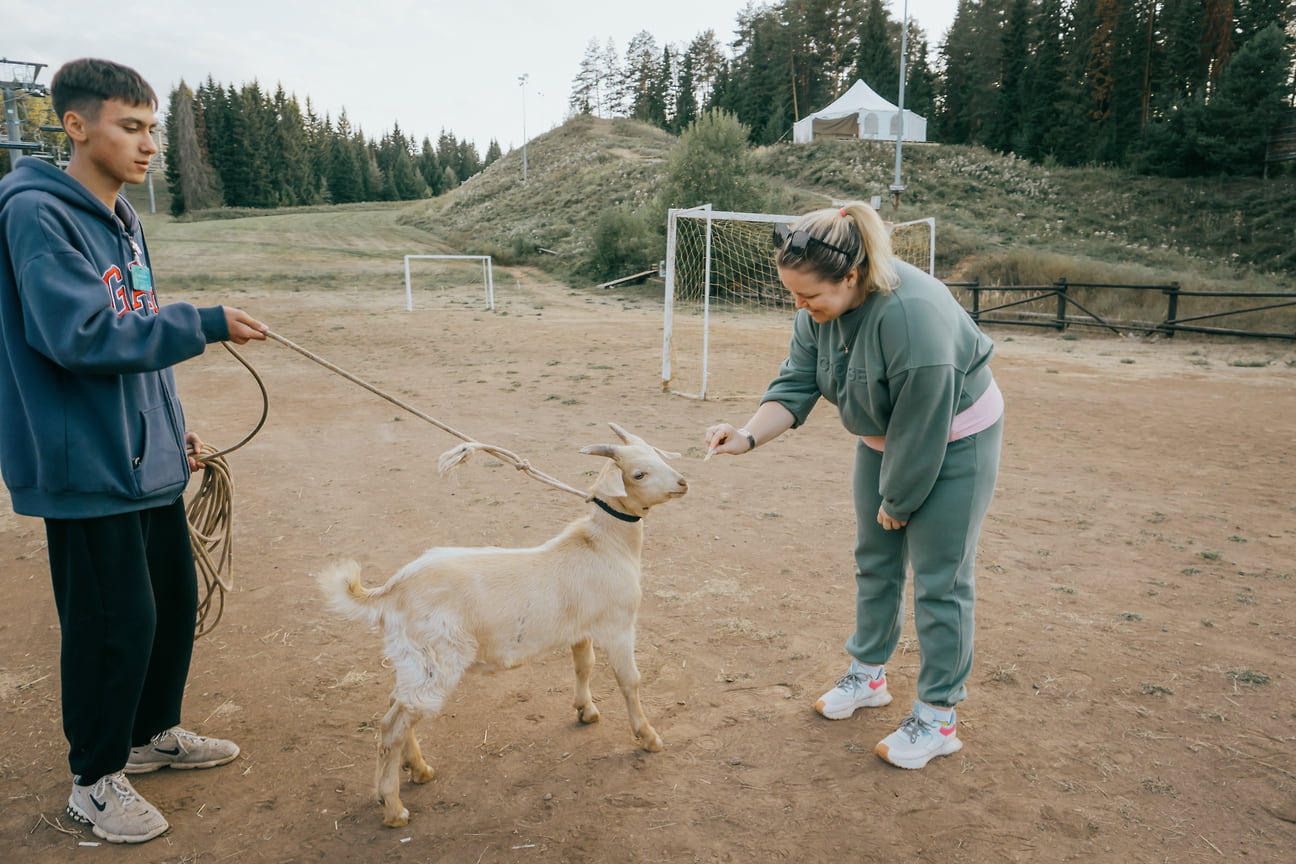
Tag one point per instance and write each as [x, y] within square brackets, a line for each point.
[639, 475]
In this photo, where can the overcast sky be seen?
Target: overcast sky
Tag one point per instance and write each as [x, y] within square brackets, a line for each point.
[427, 64]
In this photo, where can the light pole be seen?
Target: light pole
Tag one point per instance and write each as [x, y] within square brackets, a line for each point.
[897, 187]
[522, 79]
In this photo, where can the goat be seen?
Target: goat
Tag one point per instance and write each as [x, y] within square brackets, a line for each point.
[453, 609]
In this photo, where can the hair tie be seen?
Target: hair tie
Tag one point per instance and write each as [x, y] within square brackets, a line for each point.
[843, 211]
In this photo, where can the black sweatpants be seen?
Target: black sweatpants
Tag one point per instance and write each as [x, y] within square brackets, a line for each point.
[127, 592]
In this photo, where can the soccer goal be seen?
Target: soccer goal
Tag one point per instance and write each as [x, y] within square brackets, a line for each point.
[721, 264]
[448, 282]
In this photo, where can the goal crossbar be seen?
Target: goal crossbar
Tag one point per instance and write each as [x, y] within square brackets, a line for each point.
[488, 276]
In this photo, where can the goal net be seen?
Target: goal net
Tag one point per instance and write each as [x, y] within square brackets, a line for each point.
[722, 286]
[436, 282]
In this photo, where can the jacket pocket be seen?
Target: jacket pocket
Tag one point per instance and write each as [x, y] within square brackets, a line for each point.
[160, 462]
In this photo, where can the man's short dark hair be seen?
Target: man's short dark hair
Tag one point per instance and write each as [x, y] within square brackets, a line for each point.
[83, 85]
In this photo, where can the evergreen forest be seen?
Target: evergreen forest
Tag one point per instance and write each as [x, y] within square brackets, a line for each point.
[1173, 87]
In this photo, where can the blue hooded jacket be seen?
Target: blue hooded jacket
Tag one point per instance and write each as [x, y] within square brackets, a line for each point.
[90, 424]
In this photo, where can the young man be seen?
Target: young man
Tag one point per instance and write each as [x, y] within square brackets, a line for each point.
[92, 439]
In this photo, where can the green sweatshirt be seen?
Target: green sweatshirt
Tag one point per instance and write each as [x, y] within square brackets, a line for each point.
[915, 359]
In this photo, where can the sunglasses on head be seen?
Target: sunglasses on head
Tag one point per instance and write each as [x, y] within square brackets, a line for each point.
[796, 242]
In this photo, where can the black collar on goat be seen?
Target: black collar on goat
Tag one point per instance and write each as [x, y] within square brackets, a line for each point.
[617, 514]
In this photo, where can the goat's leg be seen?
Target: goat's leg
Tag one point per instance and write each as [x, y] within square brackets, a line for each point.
[621, 655]
[583, 658]
[420, 771]
[397, 727]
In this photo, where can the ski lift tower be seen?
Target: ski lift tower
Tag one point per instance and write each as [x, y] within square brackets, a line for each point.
[17, 81]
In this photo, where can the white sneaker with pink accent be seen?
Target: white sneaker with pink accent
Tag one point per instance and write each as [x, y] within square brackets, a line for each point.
[922, 735]
[856, 689]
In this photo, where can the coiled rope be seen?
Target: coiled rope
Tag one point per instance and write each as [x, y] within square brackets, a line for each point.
[211, 511]
[211, 514]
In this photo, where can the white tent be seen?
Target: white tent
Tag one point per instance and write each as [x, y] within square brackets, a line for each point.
[859, 113]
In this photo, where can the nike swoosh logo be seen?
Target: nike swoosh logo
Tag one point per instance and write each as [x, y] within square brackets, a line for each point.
[98, 806]
[175, 752]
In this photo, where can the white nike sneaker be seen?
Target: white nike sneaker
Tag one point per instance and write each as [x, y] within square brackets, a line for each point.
[115, 811]
[178, 748]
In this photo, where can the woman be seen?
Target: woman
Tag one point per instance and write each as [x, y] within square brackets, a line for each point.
[908, 371]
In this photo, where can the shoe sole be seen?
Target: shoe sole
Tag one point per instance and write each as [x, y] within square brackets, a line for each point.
[842, 714]
[951, 745]
[76, 813]
[150, 767]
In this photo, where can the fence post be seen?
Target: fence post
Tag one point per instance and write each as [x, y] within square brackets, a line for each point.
[1172, 311]
[1062, 303]
[976, 299]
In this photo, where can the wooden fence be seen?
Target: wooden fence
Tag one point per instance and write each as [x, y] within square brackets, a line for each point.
[1061, 303]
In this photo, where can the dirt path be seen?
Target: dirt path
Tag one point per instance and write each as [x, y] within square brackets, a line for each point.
[1133, 693]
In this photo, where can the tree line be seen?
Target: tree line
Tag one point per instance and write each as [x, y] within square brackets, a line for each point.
[1181, 87]
[243, 147]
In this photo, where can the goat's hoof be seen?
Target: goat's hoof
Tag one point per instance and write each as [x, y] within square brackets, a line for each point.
[588, 714]
[421, 775]
[652, 743]
[396, 821]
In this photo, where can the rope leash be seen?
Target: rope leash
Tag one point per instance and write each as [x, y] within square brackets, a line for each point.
[451, 458]
[211, 511]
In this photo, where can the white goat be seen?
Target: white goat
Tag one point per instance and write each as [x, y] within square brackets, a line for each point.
[452, 609]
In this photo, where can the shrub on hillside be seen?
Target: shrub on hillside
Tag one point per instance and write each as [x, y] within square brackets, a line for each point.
[625, 242]
[711, 164]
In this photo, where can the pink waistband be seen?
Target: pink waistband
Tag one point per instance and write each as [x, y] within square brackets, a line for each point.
[981, 415]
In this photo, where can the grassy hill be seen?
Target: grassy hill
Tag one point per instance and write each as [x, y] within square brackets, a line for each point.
[998, 218]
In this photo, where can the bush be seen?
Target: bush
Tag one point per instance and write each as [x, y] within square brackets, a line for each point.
[711, 164]
[625, 242]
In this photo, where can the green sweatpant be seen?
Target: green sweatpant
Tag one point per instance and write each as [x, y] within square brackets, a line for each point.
[940, 542]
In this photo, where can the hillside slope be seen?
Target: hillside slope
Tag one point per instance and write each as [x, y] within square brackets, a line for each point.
[998, 217]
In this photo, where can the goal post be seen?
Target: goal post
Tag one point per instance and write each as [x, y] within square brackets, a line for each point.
[452, 279]
[723, 262]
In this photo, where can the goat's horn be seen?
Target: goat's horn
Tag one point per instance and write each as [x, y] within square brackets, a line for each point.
[607, 450]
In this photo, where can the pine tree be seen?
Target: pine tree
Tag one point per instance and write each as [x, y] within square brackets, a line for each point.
[191, 178]
[215, 112]
[318, 133]
[294, 179]
[920, 80]
[447, 151]
[613, 86]
[345, 183]
[584, 97]
[469, 163]
[1006, 124]
[430, 167]
[1237, 119]
[493, 153]
[1042, 83]
[642, 75]
[706, 61]
[686, 107]
[877, 61]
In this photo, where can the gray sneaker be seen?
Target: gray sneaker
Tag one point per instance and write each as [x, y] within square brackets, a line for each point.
[115, 811]
[178, 748]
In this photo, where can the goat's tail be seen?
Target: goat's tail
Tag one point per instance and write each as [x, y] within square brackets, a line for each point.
[340, 582]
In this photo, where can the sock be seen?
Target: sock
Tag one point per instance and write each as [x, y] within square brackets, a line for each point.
[944, 716]
[874, 672]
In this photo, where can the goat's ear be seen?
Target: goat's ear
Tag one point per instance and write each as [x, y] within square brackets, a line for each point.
[606, 450]
[666, 454]
[610, 483]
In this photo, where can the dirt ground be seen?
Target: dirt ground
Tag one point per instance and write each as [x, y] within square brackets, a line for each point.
[1134, 692]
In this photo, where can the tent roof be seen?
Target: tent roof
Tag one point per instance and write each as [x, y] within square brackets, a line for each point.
[860, 97]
